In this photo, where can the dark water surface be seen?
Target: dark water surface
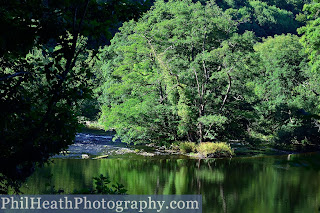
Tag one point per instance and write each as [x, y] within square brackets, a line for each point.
[257, 184]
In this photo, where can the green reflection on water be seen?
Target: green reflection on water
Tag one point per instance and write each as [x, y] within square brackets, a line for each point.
[264, 184]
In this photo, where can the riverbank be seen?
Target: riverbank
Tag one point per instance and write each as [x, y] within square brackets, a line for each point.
[97, 144]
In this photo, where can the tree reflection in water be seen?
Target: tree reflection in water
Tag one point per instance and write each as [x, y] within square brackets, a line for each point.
[260, 184]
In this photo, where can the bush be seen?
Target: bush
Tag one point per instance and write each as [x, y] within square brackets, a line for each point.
[220, 149]
[187, 147]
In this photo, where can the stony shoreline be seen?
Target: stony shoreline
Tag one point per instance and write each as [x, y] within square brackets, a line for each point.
[92, 146]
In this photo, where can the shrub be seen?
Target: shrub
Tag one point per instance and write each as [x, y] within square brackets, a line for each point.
[220, 149]
[187, 147]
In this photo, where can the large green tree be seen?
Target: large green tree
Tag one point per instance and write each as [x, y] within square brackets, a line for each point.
[175, 73]
[284, 107]
[311, 41]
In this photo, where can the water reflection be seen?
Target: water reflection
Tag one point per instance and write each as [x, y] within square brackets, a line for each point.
[265, 184]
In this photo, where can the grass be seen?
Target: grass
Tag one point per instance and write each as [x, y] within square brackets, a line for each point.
[187, 147]
[208, 149]
[219, 149]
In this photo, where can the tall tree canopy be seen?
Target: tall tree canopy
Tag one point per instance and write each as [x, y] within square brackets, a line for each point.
[282, 106]
[184, 72]
[169, 75]
[311, 41]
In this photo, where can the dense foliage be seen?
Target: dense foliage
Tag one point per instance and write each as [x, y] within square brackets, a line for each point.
[47, 50]
[193, 71]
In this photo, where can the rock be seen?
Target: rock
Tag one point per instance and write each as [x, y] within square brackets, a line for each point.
[85, 156]
[147, 154]
[162, 148]
[101, 157]
[217, 155]
[122, 151]
[172, 151]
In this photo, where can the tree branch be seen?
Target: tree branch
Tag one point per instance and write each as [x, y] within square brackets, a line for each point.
[228, 90]
[6, 77]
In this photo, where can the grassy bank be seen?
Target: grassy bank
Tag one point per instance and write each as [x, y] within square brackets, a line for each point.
[208, 149]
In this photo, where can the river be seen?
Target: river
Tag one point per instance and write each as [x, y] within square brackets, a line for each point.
[288, 183]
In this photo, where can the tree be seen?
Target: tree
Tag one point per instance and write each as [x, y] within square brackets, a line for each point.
[282, 108]
[263, 19]
[311, 41]
[47, 51]
[170, 74]
[295, 6]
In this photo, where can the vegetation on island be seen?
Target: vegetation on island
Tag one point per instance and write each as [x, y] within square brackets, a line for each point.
[213, 72]
[179, 70]
[207, 149]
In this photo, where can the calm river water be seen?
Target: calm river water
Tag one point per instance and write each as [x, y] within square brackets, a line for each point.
[252, 184]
